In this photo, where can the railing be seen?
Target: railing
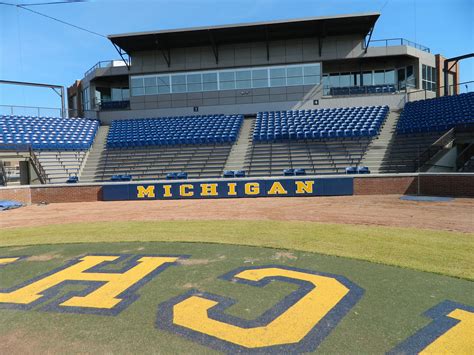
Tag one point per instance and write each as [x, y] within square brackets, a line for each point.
[397, 42]
[3, 175]
[15, 110]
[464, 87]
[440, 144]
[105, 64]
[464, 156]
[43, 178]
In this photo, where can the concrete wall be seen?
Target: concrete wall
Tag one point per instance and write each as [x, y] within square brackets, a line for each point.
[394, 101]
[248, 54]
[448, 184]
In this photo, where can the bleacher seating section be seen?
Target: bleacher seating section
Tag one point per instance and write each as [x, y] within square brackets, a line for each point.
[52, 133]
[329, 123]
[168, 131]
[436, 115]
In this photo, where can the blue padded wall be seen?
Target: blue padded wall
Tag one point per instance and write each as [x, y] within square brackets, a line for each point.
[174, 130]
[351, 122]
[48, 132]
[439, 114]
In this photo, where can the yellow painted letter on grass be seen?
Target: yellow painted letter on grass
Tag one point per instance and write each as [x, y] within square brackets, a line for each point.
[457, 340]
[290, 325]
[4, 261]
[110, 284]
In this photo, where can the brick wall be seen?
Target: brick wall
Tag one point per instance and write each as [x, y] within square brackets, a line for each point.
[389, 185]
[66, 194]
[448, 185]
[17, 194]
[455, 185]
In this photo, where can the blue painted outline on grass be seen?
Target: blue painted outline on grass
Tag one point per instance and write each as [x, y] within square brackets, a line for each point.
[439, 325]
[128, 296]
[309, 343]
[19, 258]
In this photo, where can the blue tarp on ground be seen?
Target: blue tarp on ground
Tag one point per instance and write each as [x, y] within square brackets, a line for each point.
[9, 204]
[426, 198]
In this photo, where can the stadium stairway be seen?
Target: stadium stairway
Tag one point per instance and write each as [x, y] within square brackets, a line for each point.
[59, 165]
[238, 153]
[90, 167]
[379, 148]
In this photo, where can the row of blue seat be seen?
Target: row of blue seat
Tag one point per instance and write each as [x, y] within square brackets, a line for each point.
[320, 124]
[48, 132]
[438, 114]
[174, 130]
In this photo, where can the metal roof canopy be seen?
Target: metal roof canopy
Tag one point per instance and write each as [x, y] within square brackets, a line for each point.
[318, 27]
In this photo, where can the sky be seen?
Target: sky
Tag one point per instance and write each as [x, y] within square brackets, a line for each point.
[37, 49]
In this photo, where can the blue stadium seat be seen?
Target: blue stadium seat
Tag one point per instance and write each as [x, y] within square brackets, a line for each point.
[437, 115]
[48, 132]
[239, 173]
[168, 131]
[228, 174]
[363, 170]
[289, 172]
[326, 124]
[351, 170]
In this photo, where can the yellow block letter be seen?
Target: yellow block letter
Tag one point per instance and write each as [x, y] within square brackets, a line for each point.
[458, 339]
[252, 188]
[4, 261]
[208, 189]
[290, 324]
[148, 191]
[304, 187]
[185, 190]
[111, 284]
[167, 192]
[232, 191]
[277, 189]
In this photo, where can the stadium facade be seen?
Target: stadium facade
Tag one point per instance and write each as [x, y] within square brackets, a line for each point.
[308, 63]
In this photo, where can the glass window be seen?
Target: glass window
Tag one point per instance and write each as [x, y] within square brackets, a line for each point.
[310, 70]
[126, 94]
[178, 83]
[311, 80]
[151, 90]
[163, 84]
[379, 77]
[227, 80]
[209, 81]
[194, 82]
[334, 80]
[390, 77]
[410, 76]
[277, 77]
[138, 91]
[260, 78]
[137, 82]
[367, 78]
[345, 79]
[150, 81]
[243, 79]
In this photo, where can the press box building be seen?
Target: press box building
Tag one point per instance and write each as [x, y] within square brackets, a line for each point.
[245, 68]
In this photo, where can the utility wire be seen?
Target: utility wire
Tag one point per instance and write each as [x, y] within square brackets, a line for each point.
[54, 18]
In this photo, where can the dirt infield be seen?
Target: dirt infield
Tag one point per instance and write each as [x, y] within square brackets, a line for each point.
[387, 210]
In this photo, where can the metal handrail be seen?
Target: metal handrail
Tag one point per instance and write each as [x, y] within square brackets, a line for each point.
[402, 42]
[38, 167]
[104, 64]
[441, 87]
[439, 144]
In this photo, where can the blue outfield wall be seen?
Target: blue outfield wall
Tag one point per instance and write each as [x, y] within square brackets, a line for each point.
[238, 188]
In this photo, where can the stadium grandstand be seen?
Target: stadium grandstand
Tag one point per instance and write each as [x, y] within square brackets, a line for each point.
[318, 95]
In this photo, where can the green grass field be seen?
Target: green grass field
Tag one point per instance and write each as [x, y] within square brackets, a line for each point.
[404, 272]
